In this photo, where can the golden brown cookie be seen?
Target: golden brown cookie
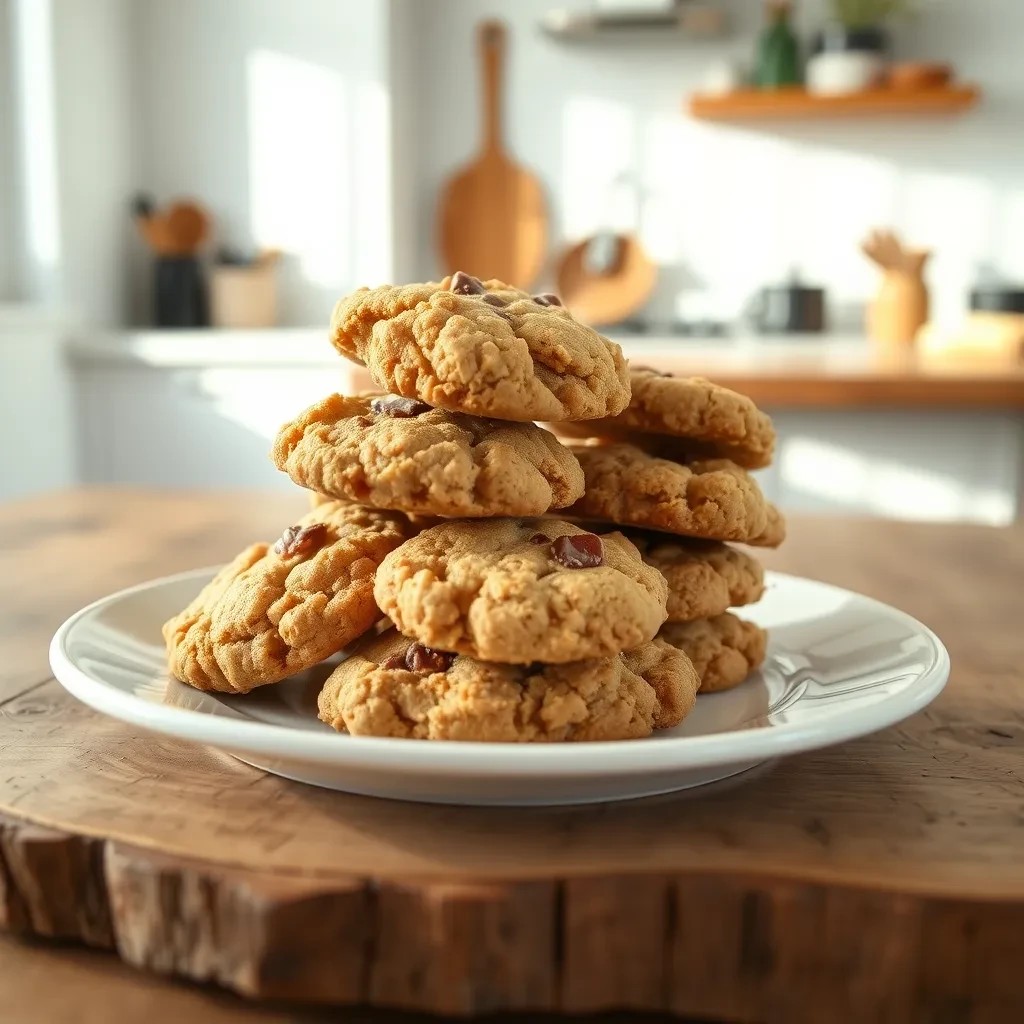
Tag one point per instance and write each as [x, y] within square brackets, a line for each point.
[278, 609]
[391, 452]
[705, 577]
[686, 418]
[482, 348]
[774, 532]
[392, 686]
[714, 498]
[522, 590]
[724, 649]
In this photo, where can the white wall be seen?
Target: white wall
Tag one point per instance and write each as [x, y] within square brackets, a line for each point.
[7, 165]
[276, 115]
[68, 173]
[733, 207]
[92, 49]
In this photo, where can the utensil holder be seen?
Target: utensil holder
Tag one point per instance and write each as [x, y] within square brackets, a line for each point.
[244, 296]
[899, 310]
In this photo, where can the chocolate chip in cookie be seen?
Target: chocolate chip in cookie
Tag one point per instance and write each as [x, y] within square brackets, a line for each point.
[579, 551]
[298, 540]
[418, 657]
[547, 299]
[397, 407]
[466, 284]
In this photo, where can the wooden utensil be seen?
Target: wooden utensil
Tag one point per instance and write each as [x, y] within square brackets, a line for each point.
[492, 220]
[609, 276]
[609, 297]
[900, 309]
[179, 230]
[188, 224]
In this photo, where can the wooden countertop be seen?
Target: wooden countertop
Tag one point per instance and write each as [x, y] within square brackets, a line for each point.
[838, 374]
[833, 371]
[856, 854]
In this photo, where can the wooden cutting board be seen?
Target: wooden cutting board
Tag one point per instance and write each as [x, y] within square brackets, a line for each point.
[492, 219]
[877, 881]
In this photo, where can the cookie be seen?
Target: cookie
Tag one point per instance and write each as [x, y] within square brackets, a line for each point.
[705, 578]
[686, 418]
[482, 348]
[392, 686]
[522, 590]
[724, 649]
[278, 609]
[713, 498]
[774, 532]
[391, 452]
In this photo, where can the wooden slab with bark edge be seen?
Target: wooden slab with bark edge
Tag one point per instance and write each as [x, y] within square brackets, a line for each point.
[881, 880]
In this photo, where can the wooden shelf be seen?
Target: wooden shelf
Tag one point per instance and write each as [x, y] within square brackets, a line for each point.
[755, 104]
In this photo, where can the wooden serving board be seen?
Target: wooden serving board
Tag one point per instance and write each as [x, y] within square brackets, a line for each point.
[882, 880]
[492, 219]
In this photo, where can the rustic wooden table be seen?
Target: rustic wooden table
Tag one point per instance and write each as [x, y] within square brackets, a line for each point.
[882, 880]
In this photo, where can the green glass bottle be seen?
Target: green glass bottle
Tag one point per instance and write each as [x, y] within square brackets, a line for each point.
[778, 52]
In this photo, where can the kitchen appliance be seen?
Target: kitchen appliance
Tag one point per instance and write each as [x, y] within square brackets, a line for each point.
[492, 220]
[790, 308]
[996, 322]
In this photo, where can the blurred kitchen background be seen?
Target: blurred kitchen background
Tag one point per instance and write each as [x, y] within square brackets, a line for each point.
[821, 204]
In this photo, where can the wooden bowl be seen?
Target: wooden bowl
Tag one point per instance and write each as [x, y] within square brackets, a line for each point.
[919, 75]
[610, 297]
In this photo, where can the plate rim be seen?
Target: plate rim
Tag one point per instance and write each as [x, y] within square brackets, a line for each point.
[599, 758]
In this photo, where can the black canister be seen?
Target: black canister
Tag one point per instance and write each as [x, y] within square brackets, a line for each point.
[788, 309]
[179, 293]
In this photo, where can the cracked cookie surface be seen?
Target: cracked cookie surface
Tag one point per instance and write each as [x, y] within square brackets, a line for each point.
[426, 460]
[487, 349]
[374, 693]
[500, 590]
[712, 498]
[278, 609]
[705, 578]
[724, 649]
[686, 418]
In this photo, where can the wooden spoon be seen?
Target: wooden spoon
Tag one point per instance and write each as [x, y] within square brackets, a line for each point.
[493, 221]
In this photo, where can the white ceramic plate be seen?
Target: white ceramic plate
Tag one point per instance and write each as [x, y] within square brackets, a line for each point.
[839, 666]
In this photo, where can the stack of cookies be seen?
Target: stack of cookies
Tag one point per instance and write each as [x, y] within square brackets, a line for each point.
[672, 469]
[436, 504]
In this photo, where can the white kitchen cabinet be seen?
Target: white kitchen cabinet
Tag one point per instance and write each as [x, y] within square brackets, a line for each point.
[930, 465]
[208, 427]
[35, 406]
